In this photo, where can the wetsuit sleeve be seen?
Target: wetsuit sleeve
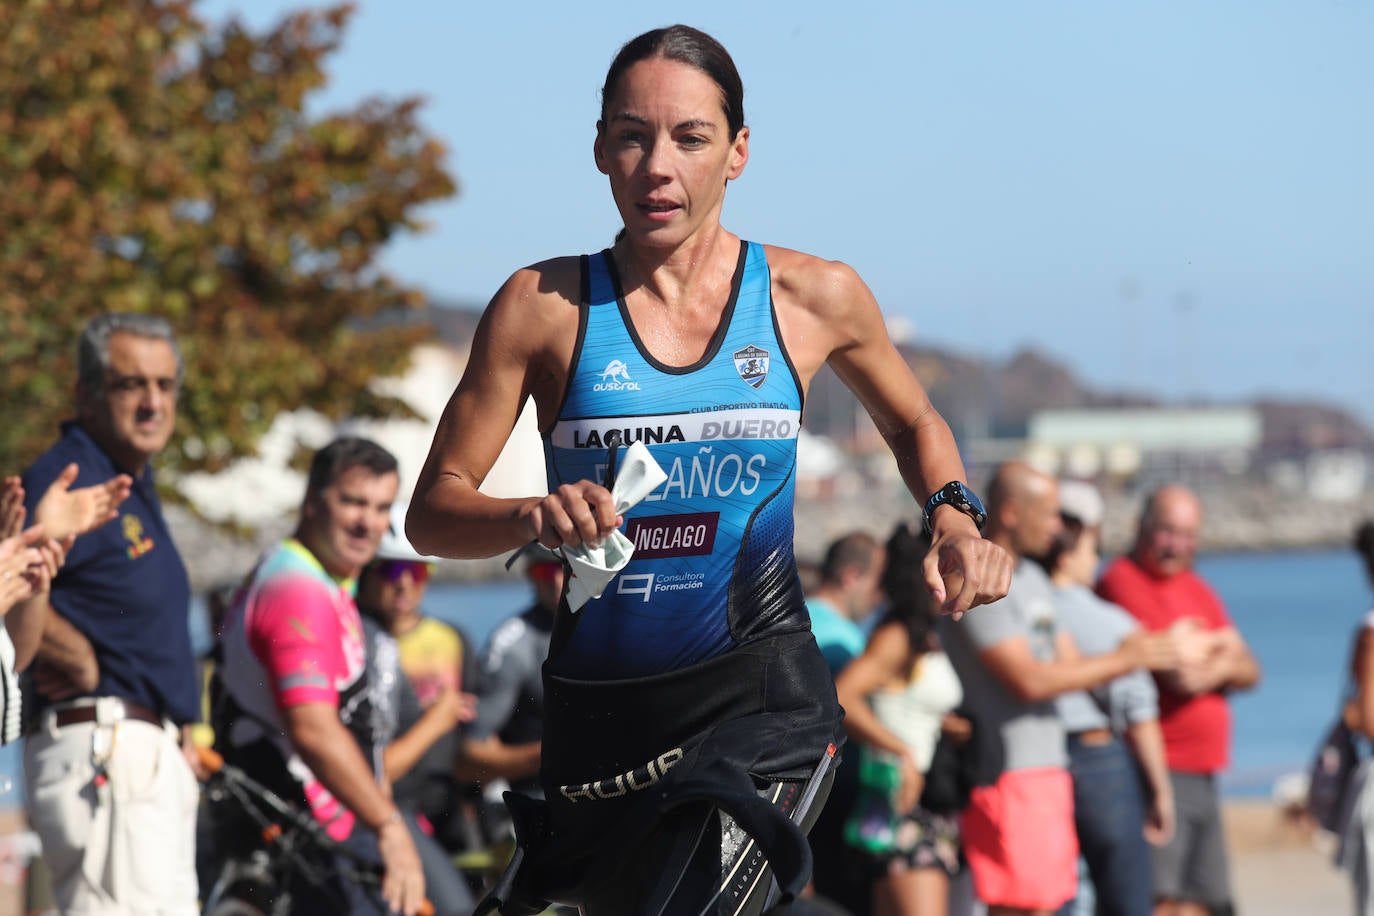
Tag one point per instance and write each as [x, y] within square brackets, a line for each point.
[501, 672]
[294, 632]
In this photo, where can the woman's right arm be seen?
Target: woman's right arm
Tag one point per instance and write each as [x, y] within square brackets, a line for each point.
[1363, 670]
[521, 349]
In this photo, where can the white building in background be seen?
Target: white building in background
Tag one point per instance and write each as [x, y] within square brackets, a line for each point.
[264, 489]
[1330, 475]
[1175, 443]
[434, 373]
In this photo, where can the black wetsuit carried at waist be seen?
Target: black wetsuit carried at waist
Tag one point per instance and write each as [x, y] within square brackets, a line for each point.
[631, 767]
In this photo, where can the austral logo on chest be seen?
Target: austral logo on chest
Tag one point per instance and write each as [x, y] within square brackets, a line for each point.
[616, 377]
[752, 365]
[649, 435]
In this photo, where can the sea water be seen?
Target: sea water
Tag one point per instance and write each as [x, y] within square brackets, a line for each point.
[1297, 610]
[1299, 613]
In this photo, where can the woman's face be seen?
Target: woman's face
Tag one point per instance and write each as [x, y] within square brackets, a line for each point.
[667, 149]
[1080, 563]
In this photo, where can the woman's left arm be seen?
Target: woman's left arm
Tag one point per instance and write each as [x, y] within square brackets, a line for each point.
[836, 321]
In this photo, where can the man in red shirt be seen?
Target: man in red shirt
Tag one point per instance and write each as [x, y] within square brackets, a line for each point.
[1156, 583]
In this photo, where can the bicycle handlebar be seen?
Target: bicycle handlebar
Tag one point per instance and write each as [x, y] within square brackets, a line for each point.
[211, 759]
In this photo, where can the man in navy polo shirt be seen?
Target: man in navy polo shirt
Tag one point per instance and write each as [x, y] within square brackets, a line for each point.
[109, 791]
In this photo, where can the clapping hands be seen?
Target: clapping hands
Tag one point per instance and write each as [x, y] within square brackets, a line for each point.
[11, 508]
[24, 567]
[65, 512]
[30, 557]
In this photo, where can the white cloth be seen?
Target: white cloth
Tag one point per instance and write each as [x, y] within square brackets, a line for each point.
[10, 701]
[595, 565]
[126, 848]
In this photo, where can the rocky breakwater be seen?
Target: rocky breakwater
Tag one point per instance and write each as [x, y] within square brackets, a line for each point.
[1238, 517]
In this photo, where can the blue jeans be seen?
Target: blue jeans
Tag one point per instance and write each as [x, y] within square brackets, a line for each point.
[1109, 814]
[338, 894]
[444, 885]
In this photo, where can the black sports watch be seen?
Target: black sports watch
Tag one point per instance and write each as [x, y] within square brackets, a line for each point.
[960, 497]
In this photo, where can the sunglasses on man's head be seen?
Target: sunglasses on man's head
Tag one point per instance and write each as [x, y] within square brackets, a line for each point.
[392, 570]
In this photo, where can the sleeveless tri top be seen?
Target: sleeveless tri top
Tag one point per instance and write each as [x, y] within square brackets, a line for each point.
[713, 565]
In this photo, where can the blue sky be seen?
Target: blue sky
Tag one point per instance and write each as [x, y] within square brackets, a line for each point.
[1171, 197]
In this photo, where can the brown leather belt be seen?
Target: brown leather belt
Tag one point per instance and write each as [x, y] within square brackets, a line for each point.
[71, 715]
[1094, 737]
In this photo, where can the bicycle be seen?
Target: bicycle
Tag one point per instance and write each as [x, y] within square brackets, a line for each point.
[289, 843]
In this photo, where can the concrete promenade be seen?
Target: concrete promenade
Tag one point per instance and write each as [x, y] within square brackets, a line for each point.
[1278, 869]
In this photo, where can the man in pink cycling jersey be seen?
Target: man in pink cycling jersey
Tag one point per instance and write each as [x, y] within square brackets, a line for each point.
[295, 711]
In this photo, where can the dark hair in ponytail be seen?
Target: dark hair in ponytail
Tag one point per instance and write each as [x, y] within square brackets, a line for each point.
[908, 598]
[689, 46]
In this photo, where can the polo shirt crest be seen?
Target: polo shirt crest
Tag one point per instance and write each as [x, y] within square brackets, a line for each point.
[139, 543]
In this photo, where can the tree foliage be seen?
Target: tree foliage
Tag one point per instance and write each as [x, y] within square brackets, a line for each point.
[153, 163]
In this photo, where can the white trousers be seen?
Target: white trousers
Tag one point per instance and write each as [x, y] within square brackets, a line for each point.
[123, 847]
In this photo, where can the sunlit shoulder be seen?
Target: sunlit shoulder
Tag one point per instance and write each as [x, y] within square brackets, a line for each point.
[823, 305]
[826, 288]
[542, 296]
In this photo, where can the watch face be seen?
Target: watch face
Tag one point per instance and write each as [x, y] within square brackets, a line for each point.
[974, 502]
[961, 498]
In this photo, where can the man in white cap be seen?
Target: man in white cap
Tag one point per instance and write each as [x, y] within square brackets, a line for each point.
[1112, 730]
[423, 671]
[506, 739]
[1014, 658]
[437, 657]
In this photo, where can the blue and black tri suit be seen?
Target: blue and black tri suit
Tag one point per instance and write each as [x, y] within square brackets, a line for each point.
[693, 686]
[713, 566]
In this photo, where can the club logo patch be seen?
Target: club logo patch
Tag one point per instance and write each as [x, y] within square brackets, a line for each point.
[752, 365]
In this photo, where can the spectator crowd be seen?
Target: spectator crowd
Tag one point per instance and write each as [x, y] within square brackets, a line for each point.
[1055, 751]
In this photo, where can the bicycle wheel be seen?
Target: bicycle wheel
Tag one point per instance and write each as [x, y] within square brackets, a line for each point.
[234, 908]
[244, 889]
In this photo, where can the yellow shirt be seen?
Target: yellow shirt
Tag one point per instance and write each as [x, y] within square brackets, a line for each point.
[432, 658]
